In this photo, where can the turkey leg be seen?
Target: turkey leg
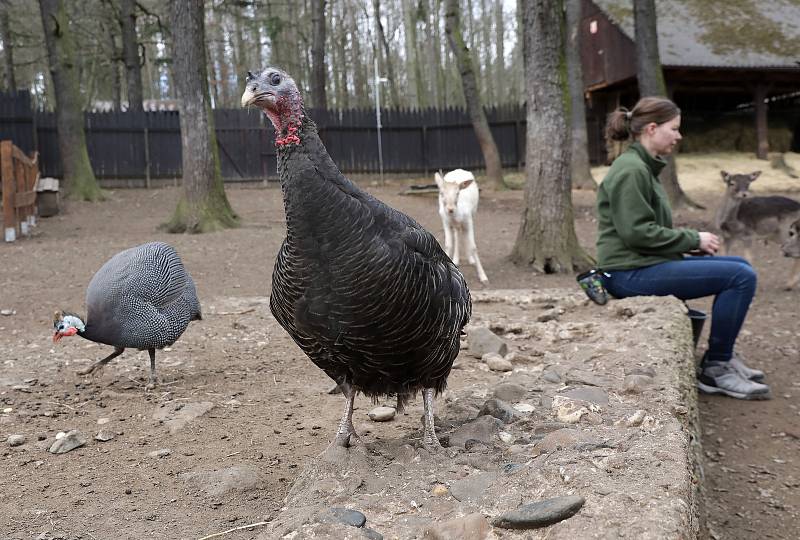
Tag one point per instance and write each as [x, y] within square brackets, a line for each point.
[346, 430]
[101, 363]
[429, 439]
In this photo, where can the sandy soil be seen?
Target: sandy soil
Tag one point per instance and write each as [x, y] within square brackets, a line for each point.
[271, 410]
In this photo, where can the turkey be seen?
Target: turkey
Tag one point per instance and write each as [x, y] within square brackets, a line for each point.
[363, 289]
[141, 298]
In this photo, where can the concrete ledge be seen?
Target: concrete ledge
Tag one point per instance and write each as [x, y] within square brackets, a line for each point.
[604, 407]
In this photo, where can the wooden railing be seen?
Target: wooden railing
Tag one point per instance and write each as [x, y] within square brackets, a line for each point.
[19, 174]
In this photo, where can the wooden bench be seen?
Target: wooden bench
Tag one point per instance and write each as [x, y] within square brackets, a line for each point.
[18, 173]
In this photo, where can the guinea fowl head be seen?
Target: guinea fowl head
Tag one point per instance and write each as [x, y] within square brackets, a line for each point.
[67, 324]
[276, 93]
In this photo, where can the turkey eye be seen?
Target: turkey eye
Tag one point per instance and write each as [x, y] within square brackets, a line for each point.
[255, 88]
[275, 79]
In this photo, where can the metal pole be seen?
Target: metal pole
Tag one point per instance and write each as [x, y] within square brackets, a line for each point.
[378, 114]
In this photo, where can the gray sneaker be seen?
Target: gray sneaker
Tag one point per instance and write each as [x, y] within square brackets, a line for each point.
[723, 378]
[747, 372]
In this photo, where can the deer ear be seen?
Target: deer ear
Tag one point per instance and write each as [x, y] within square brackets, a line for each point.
[439, 180]
[725, 176]
[465, 183]
[754, 175]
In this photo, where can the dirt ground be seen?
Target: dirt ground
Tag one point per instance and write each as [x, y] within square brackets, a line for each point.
[270, 405]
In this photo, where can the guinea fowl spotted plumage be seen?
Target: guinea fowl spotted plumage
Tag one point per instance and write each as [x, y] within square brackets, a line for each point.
[363, 289]
[141, 298]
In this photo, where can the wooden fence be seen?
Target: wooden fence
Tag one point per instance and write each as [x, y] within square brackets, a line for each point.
[147, 145]
[19, 174]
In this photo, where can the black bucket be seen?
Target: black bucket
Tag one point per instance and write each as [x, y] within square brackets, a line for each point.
[698, 319]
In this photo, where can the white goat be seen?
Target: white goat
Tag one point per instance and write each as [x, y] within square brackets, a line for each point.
[458, 202]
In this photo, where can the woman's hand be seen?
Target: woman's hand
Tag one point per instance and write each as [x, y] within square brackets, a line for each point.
[709, 243]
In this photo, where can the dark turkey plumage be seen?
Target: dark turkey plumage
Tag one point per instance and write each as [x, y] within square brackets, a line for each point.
[141, 298]
[363, 289]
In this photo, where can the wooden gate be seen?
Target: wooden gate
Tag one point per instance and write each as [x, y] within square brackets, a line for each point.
[19, 174]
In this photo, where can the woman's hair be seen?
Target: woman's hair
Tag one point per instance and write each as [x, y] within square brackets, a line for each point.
[622, 123]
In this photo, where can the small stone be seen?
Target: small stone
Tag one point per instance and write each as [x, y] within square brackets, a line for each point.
[636, 419]
[482, 341]
[353, 518]
[524, 407]
[369, 534]
[439, 490]
[551, 376]
[470, 527]
[67, 441]
[8, 410]
[499, 409]
[101, 421]
[104, 435]
[636, 384]
[164, 452]
[7, 312]
[495, 362]
[540, 514]
[16, 440]
[509, 392]
[382, 414]
[506, 437]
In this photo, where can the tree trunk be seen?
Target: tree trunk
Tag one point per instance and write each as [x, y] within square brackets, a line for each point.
[202, 206]
[579, 167]
[485, 56]
[546, 238]
[319, 97]
[376, 5]
[242, 45]
[342, 93]
[8, 47]
[500, 79]
[361, 90]
[412, 65]
[762, 133]
[79, 178]
[491, 156]
[130, 53]
[651, 83]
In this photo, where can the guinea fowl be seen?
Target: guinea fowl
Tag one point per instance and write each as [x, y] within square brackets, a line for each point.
[141, 298]
[363, 289]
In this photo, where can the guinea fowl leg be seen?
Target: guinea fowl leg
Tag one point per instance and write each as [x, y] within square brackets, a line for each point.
[101, 363]
[429, 439]
[153, 380]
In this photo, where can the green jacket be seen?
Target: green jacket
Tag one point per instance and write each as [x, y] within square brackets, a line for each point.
[634, 217]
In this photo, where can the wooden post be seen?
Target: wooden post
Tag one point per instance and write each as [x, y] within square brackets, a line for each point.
[146, 157]
[424, 149]
[759, 95]
[9, 188]
[22, 211]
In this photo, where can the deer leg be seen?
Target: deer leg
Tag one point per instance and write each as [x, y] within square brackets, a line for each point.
[472, 250]
[448, 238]
[100, 364]
[456, 243]
[794, 275]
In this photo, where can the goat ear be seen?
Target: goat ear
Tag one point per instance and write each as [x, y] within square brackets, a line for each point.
[725, 176]
[465, 183]
[439, 180]
[754, 175]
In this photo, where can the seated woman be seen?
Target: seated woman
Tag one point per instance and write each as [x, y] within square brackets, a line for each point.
[642, 254]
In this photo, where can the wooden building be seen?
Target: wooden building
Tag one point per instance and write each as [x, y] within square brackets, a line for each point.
[735, 59]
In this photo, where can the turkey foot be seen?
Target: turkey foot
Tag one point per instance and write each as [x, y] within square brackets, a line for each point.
[100, 364]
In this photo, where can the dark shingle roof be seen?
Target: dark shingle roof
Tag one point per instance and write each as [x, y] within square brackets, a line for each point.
[731, 33]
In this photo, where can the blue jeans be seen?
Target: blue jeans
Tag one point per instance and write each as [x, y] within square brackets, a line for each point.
[731, 280]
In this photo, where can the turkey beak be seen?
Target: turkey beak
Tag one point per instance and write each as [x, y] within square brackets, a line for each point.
[247, 97]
